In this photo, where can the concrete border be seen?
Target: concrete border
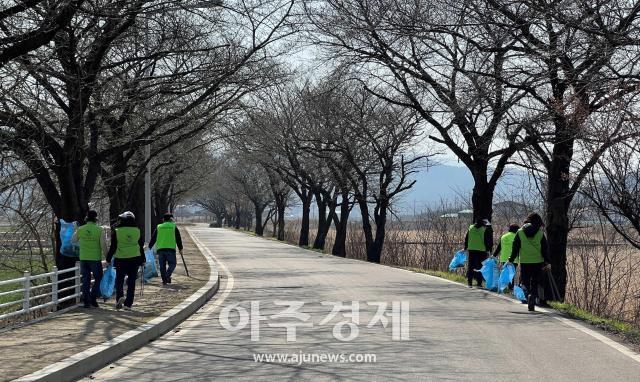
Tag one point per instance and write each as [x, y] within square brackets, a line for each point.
[95, 358]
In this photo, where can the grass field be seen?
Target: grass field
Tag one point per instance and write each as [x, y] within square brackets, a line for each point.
[12, 269]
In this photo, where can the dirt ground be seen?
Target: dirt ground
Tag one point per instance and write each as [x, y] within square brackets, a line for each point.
[29, 348]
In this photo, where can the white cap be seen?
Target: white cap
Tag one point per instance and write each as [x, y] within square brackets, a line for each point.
[486, 222]
[127, 215]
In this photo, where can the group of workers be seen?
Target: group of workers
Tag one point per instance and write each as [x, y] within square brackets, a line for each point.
[126, 253]
[525, 246]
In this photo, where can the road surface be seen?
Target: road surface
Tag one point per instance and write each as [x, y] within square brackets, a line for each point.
[454, 333]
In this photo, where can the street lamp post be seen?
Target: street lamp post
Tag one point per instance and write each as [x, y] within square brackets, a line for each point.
[147, 197]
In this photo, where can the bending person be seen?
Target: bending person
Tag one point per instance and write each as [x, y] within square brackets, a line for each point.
[505, 247]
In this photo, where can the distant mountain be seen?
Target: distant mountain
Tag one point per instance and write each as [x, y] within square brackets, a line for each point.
[443, 184]
[453, 185]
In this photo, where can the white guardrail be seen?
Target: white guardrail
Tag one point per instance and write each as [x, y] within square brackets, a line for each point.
[41, 296]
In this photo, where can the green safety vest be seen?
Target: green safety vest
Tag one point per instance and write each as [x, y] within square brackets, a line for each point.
[476, 239]
[506, 246]
[128, 245]
[89, 238]
[166, 236]
[531, 247]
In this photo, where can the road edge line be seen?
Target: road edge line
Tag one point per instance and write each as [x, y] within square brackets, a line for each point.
[95, 358]
[577, 325]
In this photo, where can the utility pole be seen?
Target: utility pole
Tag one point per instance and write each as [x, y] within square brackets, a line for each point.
[147, 196]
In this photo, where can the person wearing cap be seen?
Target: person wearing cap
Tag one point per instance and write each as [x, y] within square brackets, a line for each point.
[92, 247]
[127, 252]
[478, 242]
[530, 246]
[166, 238]
[503, 250]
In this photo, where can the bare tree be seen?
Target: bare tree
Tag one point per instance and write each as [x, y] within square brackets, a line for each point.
[445, 65]
[27, 25]
[370, 143]
[578, 64]
[615, 189]
[84, 107]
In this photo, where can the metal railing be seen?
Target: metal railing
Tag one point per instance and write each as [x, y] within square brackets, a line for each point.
[42, 296]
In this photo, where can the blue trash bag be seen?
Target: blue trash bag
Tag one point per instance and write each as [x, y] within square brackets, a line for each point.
[519, 293]
[68, 247]
[490, 273]
[458, 260]
[150, 269]
[506, 276]
[108, 282]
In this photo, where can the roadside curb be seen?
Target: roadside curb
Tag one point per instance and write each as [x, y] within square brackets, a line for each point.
[95, 358]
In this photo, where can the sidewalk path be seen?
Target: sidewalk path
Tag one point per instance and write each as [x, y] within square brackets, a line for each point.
[34, 346]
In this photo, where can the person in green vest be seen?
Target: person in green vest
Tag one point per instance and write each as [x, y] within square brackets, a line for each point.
[166, 238]
[505, 246]
[92, 246]
[127, 253]
[531, 248]
[479, 243]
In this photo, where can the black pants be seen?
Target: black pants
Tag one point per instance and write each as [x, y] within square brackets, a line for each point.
[475, 262]
[128, 268]
[530, 275]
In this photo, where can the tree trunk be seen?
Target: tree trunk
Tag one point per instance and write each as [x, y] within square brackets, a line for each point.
[280, 212]
[304, 227]
[71, 208]
[219, 219]
[259, 230]
[374, 253]
[116, 186]
[321, 236]
[274, 227]
[482, 196]
[366, 223]
[341, 223]
[238, 218]
[135, 204]
[558, 201]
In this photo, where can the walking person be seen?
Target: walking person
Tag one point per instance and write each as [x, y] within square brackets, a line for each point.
[505, 247]
[530, 246]
[92, 247]
[127, 252]
[479, 243]
[166, 238]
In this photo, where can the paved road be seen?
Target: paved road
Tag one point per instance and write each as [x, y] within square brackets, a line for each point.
[454, 333]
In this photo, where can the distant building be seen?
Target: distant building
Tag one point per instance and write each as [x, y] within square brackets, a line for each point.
[464, 214]
[507, 209]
